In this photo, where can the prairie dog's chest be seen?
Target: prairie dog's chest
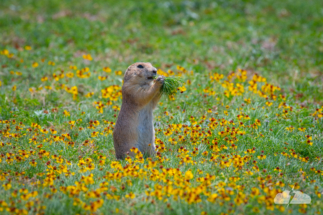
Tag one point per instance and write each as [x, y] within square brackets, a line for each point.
[145, 118]
[145, 126]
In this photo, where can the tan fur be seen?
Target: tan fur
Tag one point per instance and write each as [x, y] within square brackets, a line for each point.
[134, 126]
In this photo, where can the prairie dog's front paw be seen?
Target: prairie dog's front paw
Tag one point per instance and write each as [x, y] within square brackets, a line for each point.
[160, 80]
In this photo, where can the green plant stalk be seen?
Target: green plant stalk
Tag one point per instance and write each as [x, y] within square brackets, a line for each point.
[170, 85]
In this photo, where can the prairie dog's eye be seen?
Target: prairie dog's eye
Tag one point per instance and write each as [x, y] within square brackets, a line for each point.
[140, 66]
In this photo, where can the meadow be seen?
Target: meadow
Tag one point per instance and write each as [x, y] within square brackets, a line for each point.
[245, 125]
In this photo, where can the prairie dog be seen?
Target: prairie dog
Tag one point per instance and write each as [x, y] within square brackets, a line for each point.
[140, 95]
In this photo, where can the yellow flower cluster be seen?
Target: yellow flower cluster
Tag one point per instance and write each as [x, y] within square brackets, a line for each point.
[112, 93]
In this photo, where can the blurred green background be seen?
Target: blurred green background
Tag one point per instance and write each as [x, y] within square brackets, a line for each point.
[282, 40]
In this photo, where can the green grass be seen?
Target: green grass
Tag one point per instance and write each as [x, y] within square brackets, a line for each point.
[216, 129]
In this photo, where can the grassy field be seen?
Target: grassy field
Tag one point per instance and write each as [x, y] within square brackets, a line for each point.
[246, 124]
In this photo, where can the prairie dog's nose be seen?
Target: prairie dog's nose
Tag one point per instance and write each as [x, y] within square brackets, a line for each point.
[154, 71]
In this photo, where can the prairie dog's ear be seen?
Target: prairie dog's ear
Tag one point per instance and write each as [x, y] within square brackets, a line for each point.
[127, 75]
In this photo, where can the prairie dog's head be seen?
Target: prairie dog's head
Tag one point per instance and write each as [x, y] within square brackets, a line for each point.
[140, 73]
